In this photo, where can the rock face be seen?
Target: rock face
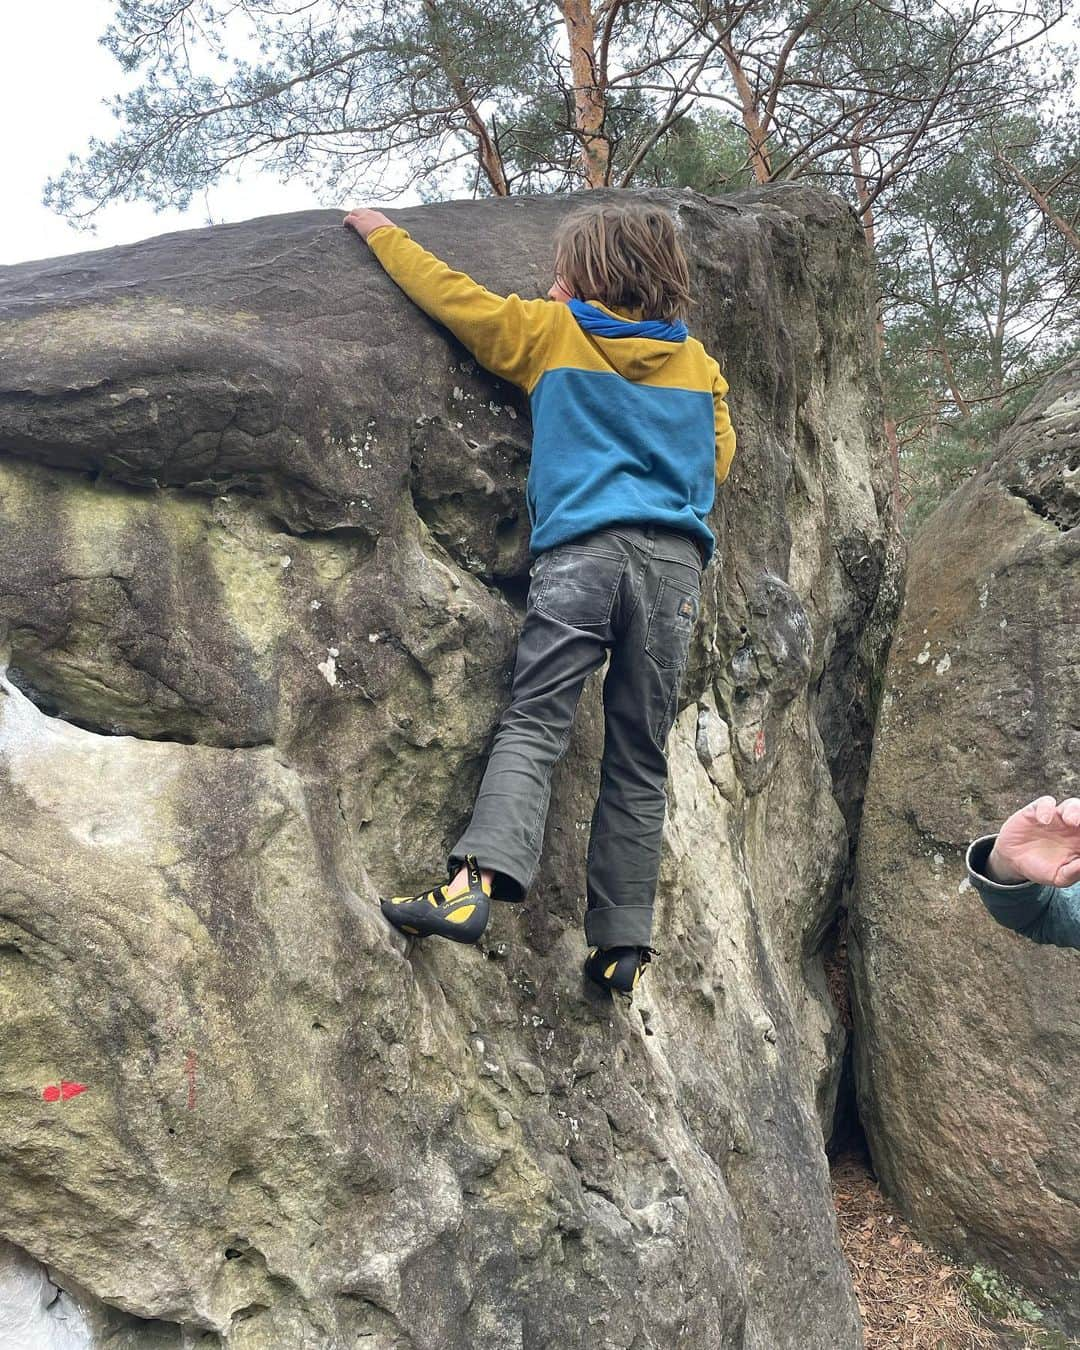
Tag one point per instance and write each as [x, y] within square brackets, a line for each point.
[969, 1035]
[263, 550]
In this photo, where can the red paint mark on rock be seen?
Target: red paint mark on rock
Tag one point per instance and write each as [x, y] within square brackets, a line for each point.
[190, 1065]
[52, 1093]
[759, 744]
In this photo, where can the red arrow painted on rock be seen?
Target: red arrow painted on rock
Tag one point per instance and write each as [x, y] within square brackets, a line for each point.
[53, 1093]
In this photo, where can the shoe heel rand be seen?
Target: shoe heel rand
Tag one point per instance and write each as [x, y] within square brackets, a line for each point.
[614, 975]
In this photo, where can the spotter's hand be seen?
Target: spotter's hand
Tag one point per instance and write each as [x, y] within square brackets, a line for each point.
[1040, 842]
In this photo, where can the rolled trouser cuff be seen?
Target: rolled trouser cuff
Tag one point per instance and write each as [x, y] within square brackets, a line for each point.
[511, 880]
[619, 926]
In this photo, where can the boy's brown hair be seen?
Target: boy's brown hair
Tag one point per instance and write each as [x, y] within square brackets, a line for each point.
[627, 256]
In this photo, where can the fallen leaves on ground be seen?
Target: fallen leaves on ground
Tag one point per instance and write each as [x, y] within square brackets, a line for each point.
[909, 1297]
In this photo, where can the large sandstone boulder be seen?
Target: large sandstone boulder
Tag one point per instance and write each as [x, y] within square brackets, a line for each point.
[263, 551]
[968, 1037]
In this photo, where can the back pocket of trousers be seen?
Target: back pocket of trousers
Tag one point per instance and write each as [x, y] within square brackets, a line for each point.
[578, 586]
[671, 623]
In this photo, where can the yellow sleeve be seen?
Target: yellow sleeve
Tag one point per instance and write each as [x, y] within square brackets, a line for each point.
[725, 432]
[506, 334]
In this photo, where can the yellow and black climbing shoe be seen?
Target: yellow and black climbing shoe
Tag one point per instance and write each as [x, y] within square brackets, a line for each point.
[461, 917]
[617, 968]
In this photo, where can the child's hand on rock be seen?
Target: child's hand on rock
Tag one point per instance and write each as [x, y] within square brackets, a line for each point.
[363, 220]
[1041, 843]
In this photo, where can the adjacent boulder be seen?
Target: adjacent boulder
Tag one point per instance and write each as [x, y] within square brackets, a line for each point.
[263, 552]
[968, 1036]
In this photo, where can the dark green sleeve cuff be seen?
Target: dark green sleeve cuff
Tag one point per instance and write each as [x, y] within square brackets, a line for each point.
[978, 857]
[1041, 913]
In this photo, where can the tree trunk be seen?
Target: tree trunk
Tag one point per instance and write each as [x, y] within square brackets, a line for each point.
[590, 100]
[997, 344]
[941, 345]
[487, 152]
[759, 153]
[1042, 201]
[866, 208]
[866, 215]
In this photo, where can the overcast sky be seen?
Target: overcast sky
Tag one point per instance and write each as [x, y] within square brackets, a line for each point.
[53, 78]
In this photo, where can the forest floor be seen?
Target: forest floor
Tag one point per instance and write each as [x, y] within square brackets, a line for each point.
[912, 1298]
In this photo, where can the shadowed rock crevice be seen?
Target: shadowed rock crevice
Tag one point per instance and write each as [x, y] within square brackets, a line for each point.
[468, 491]
[23, 682]
[424, 1147]
[1064, 515]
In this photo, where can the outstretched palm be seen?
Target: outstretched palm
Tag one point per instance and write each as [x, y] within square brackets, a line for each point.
[1040, 842]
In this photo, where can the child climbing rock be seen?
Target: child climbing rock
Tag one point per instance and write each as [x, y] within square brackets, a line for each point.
[630, 436]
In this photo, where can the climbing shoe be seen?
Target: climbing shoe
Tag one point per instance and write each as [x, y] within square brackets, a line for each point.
[461, 917]
[617, 968]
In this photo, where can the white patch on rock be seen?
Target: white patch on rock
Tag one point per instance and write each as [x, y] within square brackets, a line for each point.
[712, 741]
[924, 655]
[35, 1314]
[328, 668]
[1064, 406]
[103, 789]
[357, 450]
[944, 664]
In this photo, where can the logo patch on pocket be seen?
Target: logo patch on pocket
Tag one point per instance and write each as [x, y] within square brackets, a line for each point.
[686, 609]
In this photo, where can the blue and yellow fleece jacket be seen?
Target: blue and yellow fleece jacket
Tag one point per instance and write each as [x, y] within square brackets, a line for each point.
[629, 420]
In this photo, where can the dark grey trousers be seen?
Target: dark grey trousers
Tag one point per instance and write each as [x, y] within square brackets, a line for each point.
[634, 591]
